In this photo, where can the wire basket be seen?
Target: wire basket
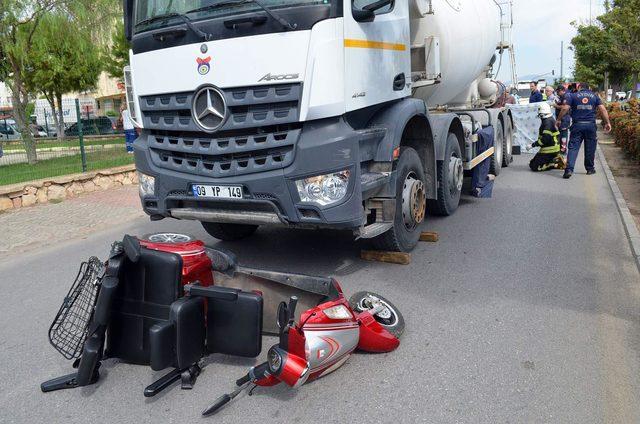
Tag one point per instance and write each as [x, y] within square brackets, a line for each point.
[68, 331]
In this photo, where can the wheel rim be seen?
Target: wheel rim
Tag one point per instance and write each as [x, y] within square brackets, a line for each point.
[169, 238]
[509, 140]
[498, 147]
[387, 316]
[413, 201]
[456, 174]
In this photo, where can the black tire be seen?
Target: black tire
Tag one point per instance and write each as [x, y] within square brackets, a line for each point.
[400, 238]
[448, 196]
[229, 232]
[496, 158]
[507, 146]
[394, 325]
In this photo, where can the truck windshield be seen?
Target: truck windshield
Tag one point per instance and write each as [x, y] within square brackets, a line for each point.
[168, 11]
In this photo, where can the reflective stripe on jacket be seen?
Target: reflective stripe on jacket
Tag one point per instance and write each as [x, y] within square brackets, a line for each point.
[548, 137]
[556, 145]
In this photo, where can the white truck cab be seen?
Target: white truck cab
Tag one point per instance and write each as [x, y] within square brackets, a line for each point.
[311, 113]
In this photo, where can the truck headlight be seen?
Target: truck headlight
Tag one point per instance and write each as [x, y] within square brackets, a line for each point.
[324, 189]
[146, 185]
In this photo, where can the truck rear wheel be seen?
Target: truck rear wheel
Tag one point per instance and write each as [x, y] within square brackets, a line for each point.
[496, 158]
[507, 149]
[450, 179]
[410, 205]
[229, 232]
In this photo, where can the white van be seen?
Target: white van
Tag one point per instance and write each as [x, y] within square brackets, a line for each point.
[9, 130]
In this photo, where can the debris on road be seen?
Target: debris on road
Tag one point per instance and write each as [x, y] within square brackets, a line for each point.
[399, 258]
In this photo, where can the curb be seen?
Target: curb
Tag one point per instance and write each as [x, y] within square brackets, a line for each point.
[18, 188]
[627, 219]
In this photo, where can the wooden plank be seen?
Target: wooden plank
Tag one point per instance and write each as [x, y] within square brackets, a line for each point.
[429, 236]
[387, 257]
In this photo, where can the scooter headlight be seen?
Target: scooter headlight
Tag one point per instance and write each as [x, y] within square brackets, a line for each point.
[274, 360]
[147, 184]
[324, 189]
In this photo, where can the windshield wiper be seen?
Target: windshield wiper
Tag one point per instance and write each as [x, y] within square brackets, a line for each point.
[269, 12]
[184, 18]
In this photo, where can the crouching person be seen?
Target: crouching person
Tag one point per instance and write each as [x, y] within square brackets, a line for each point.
[549, 156]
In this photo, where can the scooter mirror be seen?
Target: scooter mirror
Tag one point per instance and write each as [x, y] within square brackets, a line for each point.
[283, 315]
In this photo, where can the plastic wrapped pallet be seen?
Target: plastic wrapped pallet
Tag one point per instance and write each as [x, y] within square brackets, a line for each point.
[481, 182]
[526, 123]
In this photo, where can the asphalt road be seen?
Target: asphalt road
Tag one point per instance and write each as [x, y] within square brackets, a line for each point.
[526, 310]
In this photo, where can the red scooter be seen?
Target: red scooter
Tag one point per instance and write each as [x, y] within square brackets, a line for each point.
[166, 300]
[322, 341]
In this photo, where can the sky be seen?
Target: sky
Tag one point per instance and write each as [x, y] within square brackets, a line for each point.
[539, 28]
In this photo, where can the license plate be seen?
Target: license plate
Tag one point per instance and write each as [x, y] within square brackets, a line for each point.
[217, 192]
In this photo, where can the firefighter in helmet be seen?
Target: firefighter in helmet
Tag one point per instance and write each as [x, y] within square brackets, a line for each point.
[549, 156]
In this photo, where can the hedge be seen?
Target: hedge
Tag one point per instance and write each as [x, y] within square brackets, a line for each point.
[625, 120]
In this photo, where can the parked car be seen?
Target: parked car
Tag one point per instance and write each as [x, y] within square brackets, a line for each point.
[38, 130]
[93, 126]
[8, 130]
[629, 95]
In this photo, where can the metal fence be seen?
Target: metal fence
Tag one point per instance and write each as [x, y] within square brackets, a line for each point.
[90, 142]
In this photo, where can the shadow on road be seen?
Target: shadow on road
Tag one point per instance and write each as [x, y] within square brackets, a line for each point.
[324, 252]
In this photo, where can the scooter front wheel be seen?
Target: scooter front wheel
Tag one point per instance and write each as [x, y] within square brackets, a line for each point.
[388, 315]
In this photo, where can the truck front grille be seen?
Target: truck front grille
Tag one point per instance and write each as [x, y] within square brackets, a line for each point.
[248, 107]
[224, 156]
[259, 134]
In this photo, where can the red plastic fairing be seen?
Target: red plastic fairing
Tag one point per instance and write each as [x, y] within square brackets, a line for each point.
[294, 370]
[373, 337]
[196, 265]
[268, 381]
[297, 342]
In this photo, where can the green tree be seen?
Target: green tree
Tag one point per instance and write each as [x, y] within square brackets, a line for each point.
[20, 21]
[623, 22]
[612, 46]
[63, 64]
[116, 55]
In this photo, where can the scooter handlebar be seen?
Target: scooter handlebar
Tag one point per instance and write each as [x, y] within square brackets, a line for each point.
[293, 301]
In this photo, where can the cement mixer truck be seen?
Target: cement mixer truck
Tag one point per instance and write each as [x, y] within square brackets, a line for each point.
[359, 115]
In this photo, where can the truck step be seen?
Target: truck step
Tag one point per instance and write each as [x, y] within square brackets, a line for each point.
[374, 230]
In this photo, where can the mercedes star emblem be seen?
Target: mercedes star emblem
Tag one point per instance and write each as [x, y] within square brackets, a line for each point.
[209, 108]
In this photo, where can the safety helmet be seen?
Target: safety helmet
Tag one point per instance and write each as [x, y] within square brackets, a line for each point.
[544, 110]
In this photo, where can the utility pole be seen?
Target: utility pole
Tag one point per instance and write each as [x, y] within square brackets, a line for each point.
[562, 61]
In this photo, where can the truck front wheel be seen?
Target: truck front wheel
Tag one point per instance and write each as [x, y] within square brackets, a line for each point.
[410, 204]
[229, 232]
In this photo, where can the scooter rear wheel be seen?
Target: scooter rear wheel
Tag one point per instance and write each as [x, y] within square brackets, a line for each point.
[389, 318]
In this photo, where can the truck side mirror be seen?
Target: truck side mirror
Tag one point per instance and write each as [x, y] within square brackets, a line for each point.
[361, 15]
[367, 12]
[127, 7]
